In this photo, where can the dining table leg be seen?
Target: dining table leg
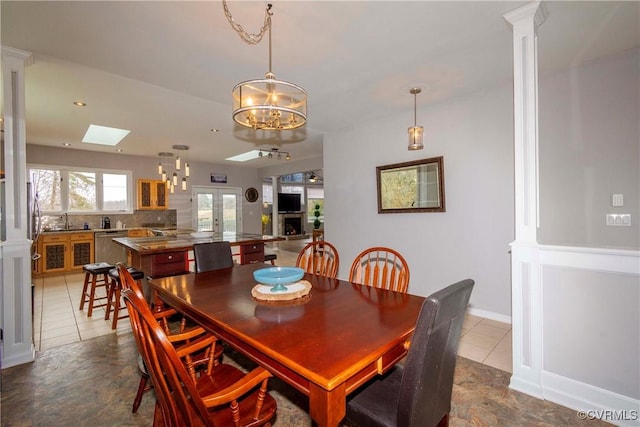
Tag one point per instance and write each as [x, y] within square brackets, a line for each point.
[327, 408]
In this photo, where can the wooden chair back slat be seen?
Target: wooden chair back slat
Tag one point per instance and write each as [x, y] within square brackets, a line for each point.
[319, 257]
[381, 267]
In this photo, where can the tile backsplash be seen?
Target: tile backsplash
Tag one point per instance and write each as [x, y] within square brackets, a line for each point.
[139, 218]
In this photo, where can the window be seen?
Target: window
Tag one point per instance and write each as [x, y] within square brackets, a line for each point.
[267, 192]
[62, 189]
[315, 195]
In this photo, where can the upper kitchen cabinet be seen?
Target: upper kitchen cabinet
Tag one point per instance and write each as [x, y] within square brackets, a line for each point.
[152, 194]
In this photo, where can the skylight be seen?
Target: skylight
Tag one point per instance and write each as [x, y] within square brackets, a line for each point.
[249, 155]
[104, 135]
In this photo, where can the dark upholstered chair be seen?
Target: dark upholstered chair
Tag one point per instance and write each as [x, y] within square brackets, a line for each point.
[418, 394]
[222, 395]
[380, 267]
[212, 256]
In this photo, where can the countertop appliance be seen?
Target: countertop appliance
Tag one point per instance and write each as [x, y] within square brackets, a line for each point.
[108, 251]
[106, 222]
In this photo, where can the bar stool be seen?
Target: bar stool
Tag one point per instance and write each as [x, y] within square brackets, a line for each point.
[270, 257]
[113, 294]
[98, 274]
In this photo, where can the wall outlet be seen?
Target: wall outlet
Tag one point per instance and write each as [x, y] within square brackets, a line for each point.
[618, 220]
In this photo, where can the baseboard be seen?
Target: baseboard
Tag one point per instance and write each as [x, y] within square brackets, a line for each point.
[489, 315]
[590, 401]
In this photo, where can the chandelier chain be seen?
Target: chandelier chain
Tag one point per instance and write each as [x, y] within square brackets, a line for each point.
[249, 38]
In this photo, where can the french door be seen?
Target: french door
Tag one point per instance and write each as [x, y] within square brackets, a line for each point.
[217, 209]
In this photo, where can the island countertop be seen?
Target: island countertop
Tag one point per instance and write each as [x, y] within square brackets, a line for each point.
[185, 242]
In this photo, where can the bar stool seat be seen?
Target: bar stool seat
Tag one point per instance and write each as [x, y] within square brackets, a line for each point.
[114, 292]
[271, 257]
[98, 274]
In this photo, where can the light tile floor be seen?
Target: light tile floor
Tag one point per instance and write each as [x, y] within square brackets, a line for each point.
[58, 319]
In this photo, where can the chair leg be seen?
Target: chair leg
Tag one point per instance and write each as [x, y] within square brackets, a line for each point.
[92, 294]
[110, 290]
[116, 306]
[444, 422]
[141, 389]
[84, 290]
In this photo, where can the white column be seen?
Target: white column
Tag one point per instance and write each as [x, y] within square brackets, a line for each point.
[17, 323]
[525, 265]
[275, 218]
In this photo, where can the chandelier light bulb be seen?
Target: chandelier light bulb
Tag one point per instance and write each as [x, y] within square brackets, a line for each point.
[186, 169]
[159, 168]
[178, 163]
[175, 179]
[184, 184]
[164, 175]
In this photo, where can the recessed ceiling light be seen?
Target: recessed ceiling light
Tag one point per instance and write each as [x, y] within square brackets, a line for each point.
[249, 155]
[119, 150]
[104, 135]
[214, 130]
[79, 104]
[67, 144]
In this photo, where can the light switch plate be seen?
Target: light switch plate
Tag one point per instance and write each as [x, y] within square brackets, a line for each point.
[617, 200]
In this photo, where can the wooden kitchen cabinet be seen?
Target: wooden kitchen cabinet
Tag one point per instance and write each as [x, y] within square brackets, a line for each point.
[63, 252]
[152, 194]
[138, 232]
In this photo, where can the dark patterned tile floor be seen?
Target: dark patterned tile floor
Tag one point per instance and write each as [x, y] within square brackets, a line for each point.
[93, 382]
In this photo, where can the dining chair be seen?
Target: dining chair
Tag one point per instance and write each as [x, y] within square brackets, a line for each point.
[418, 394]
[222, 395]
[180, 336]
[212, 256]
[319, 257]
[380, 267]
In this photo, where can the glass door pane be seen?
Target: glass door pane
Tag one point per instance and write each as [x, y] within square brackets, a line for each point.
[217, 209]
[204, 212]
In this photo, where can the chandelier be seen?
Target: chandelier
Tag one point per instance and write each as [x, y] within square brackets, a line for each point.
[166, 164]
[266, 104]
[274, 152]
[415, 131]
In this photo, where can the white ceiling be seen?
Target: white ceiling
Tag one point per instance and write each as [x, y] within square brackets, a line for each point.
[165, 69]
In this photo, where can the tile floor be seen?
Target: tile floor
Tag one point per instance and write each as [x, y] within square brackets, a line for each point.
[58, 319]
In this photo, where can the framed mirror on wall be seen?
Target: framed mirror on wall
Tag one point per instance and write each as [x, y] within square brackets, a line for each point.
[416, 186]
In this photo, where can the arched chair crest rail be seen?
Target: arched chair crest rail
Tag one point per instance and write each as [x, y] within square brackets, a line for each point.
[381, 267]
[220, 396]
[418, 394]
[319, 257]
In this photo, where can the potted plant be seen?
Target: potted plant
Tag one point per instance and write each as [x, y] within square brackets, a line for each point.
[316, 213]
[265, 221]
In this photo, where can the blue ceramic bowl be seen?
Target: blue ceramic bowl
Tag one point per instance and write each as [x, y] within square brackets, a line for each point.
[277, 277]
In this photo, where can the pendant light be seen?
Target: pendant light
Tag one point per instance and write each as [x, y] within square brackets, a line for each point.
[415, 131]
[266, 104]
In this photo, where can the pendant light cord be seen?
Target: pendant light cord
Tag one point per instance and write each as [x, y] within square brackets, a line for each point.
[251, 38]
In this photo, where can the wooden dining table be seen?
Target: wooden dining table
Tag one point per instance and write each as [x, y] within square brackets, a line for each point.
[325, 344]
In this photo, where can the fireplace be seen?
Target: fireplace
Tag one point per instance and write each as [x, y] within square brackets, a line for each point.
[292, 224]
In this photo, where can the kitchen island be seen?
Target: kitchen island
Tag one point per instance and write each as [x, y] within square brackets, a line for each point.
[162, 256]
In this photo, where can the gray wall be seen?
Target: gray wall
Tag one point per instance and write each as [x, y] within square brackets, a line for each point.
[471, 239]
[589, 150]
[146, 167]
